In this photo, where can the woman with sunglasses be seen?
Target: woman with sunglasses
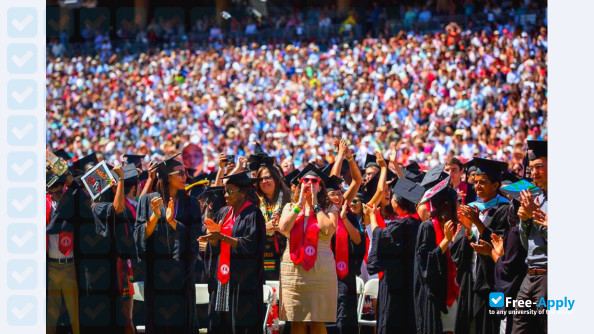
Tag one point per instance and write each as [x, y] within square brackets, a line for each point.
[346, 244]
[235, 256]
[274, 195]
[308, 274]
[168, 224]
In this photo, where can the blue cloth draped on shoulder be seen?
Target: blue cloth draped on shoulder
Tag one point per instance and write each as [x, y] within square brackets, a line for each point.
[482, 206]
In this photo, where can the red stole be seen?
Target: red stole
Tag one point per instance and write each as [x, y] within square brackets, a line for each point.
[381, 224]
[453, 289]
[224, 270]
[303, 246]
[48, 213]
[341, 249]
[463, 187]
[65, 238]
[132, 209]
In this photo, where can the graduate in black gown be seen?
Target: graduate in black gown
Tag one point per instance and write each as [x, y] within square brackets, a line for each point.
[393, 252]
[168, 224]
[490, 214]
[350, 234]
[235, 258]
[117, 218]
[435, 272]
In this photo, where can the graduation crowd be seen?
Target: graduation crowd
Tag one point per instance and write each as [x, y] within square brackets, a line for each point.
[458, 92]
[437, 240]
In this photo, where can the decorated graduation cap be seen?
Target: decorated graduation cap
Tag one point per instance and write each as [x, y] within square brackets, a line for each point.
[538, 148]
[439, 193]
[516, 188]
[61, 153]
[334, 183]
[130, 174]
[408, 190]
[56, 169]
[311, 169]
[433, 176]
[134, 159]
[241, 179]
[80, 166]
[492, 168]
[290, 177]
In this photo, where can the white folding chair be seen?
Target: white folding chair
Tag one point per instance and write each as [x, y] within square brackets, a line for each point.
[139, 296]
[370, 289]
[267, 300]
[360, 285]
[202, 297]
[276, 286]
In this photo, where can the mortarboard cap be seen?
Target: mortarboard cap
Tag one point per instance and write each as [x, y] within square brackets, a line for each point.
[440, 193]
[408, 190]
[130, 174]
[492, 168]
[413, 167]
[290, 177]
[538, 148]
[63, 154]
[240, 179]
[311, 169]
[143, 176]
[213, 192]
[370, 161]
[433, 176]
[166, 166]
[134, 159]
[80, 166]
[334, 183]
[516, 188]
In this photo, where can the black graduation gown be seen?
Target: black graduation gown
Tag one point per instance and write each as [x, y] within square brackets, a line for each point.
[91, 250]
[473, 302]
[511, 268]
[346, 315]
[170, 258]
[393, 252]
[119, 229]
[430, 281]
[246, 304]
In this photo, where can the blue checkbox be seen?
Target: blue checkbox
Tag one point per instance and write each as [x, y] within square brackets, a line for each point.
[22, 166]
[22, 94]
[22, 310]
[22, 274]
[496, 299]
[22, 58]
[22, 22]
[22, 203]
[21, 130]
[22, 238]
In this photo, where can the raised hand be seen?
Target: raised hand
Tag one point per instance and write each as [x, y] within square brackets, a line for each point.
[343, 147]
[379, 158]
[118, 171]
[449, 230]
[343, 211]
[156, 204]
[223, 160]
[212, 226]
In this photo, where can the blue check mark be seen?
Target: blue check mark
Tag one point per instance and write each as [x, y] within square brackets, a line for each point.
[496, 299]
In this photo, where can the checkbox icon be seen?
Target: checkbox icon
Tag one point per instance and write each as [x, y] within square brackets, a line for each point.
[21, 130]
[22, 166]
[21, 238]
[22, 22]
[22, 203]
[22, 274]
[496, 299]
[22, 58]
[22, 94]
[22, 310]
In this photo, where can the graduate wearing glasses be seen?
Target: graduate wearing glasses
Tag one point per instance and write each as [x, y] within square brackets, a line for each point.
[235, 258]
[168, 224]
[308, 275]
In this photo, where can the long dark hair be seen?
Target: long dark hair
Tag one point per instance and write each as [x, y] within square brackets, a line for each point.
[279, 187]
[163, 188]
[447, 209]
[249, 193]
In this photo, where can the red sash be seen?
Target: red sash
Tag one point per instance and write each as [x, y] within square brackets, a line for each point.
[132, 209]
[48, 212]
[463, 187]
[453, 289]
[304, 248]
[341, 249]
[381, 224]
[65, 242]
[224, 270]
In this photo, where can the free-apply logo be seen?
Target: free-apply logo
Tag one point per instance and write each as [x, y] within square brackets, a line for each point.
[496, 299]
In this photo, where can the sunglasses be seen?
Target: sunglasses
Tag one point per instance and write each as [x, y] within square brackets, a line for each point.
[310, 180]
[355, 201]
[231, 191]
[266, 179]
[181, 173]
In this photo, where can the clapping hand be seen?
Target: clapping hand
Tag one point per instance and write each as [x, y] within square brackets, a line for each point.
[497, 242]
[211, 226]
[483, 247]
[541, 218]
